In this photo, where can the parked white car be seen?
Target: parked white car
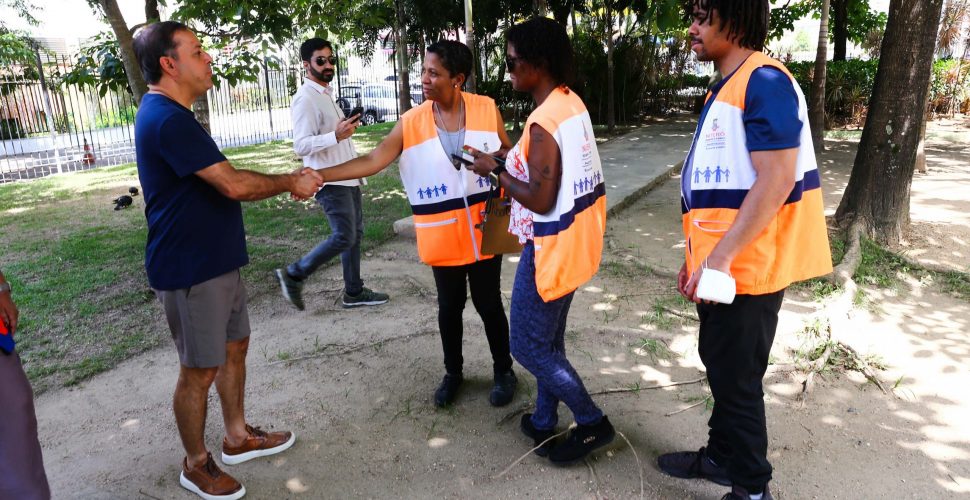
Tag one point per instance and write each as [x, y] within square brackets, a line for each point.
[379, 101]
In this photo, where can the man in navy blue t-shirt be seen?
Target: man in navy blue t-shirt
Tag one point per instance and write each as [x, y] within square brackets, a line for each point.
[196, 245]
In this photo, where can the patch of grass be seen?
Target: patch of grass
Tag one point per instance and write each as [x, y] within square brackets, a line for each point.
[660, 315]
[955, 283]
[814, 342]
[880, 267]
[77, 267]
[837, 247]
[708, 400]
[657, 349]
[884, 268]
[627, 269]
[820, 288]
[842, 134]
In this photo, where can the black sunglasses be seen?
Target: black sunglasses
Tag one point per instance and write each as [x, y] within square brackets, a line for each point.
[332, 60]
[510, 62]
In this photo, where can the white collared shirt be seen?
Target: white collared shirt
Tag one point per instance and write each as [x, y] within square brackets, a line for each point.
[315, 118]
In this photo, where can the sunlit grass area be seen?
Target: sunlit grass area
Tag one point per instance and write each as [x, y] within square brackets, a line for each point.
[77, 265]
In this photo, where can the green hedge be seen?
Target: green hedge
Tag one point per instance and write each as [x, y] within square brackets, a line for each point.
[849, 84]
[950, 89]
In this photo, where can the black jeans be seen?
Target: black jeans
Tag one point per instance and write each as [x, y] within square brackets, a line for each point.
[734, 344]
[342, 204]
[483, 278]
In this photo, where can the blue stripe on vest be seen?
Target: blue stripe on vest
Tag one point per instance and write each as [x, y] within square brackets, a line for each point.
[566, 219]
[732, 198]
[445, 206]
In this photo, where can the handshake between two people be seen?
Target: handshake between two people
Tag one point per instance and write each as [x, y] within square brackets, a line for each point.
[305, 183]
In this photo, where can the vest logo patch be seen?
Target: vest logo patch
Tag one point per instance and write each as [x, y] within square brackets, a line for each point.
[716, 138]
[586, 184]
[433, 191]
[718, 175]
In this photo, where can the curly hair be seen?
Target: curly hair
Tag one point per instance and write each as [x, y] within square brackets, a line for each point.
[543, 43]
[745, 20]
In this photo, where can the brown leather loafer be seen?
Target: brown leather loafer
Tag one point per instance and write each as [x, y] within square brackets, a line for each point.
[209, 482]
[259, 443]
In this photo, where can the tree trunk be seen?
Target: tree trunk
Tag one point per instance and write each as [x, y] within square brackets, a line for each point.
[128, 59]
[401, 53]
[471, 85]
[816, 108]
[151, 11]
[610, 91]
[561, 14]
[539, 7]
[840, 29]
[878, 193]
[200, 108]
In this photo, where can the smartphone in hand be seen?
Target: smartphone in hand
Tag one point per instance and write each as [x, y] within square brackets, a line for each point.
[458, 160]
[358, 112]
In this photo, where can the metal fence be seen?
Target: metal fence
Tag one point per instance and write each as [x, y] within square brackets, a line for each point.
[48, 126]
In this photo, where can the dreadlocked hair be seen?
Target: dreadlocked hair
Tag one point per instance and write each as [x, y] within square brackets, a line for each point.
[745, 20]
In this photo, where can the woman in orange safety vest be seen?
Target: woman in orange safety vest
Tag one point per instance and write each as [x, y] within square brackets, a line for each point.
[448, 202]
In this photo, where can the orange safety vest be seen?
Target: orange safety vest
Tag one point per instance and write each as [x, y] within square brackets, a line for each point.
[794, 246]
[569, 238]
[447, 203]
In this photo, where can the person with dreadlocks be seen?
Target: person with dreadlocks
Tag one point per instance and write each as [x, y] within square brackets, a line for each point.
[749, 235]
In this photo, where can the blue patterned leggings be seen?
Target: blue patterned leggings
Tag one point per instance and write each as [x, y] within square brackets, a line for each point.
[537, 336]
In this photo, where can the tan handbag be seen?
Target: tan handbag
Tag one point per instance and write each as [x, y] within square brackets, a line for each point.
[496, 238]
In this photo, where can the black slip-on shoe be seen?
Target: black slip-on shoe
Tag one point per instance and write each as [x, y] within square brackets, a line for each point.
[504, 389]
[448, 390]
[538, 436]
[581, 441]
[693, 465]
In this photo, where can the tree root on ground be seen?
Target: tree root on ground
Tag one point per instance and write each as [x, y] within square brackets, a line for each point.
[838, 352]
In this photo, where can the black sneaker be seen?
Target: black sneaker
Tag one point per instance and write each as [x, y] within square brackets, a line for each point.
[537, 435]
[581, 441]
[693, 465]
[448, 390]
[366, 297]
[292, 288]
[739, 493]
[504, 389]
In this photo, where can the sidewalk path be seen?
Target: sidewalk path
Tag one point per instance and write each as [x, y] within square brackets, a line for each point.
[633, 163]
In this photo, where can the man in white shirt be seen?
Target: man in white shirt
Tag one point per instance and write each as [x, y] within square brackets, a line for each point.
[321, 135]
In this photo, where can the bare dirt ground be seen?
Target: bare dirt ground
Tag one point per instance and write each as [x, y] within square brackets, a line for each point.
[356, 386]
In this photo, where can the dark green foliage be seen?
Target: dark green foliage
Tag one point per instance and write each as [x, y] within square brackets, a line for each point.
[849, 84]
[847, 88]
[950, 88]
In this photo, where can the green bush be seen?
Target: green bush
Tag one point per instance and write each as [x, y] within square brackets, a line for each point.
[848, 85]
[10, 129]
[648, 78]
[950, 88]
[116, 117]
